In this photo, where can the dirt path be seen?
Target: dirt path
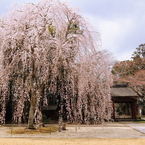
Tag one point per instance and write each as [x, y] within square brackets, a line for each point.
[40, 141]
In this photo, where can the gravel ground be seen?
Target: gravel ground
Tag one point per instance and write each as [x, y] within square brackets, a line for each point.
[137, 126]
[108, 130]
[124, 133]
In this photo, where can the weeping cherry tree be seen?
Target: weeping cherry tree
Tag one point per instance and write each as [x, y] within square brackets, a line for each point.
[49, 49]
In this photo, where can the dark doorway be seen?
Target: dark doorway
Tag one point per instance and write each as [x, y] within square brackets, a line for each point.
[9, 112]
[123, 110]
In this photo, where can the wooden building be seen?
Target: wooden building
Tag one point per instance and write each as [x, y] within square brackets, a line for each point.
[124, 102]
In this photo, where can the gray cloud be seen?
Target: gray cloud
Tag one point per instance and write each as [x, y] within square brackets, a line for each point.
[111, 9]
[121, 23]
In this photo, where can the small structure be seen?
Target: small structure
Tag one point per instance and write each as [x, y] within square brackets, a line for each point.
[124, 102]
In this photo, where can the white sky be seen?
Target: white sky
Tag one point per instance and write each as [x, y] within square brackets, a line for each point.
[121, 23]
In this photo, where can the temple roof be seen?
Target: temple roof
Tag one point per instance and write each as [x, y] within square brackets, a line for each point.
[123, 92]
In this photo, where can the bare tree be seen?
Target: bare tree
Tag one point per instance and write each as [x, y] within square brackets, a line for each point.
[47, 48]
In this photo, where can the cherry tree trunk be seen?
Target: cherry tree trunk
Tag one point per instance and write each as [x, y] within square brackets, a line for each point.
[33, 96]
[31, 112]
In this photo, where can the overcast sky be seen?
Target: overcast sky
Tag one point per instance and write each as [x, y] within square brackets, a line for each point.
[121, 23]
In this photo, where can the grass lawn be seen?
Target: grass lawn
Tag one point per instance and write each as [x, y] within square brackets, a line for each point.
[139, 121]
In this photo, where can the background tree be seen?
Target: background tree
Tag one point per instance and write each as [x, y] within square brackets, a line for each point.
[49, 49]
[132, 71]
[140, 52]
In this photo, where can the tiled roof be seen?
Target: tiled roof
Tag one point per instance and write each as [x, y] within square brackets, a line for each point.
[123, 92]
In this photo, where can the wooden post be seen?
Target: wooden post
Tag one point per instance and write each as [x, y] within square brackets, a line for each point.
[133, 106]
[113, 112]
